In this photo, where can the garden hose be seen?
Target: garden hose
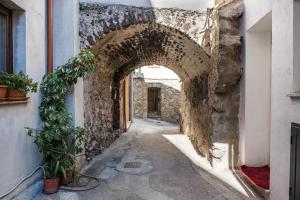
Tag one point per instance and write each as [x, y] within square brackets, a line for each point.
[83, 187]
[67, 188]
[22, 180]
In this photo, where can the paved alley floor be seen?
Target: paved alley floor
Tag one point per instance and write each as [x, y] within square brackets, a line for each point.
[143, 165]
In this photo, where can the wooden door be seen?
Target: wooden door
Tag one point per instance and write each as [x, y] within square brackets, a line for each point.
[151, 100]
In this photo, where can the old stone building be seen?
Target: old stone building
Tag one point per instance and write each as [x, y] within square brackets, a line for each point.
[237, 61]
[156, 94]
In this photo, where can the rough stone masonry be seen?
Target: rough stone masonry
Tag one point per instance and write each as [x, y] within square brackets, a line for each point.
[125, 38]
[169, 105]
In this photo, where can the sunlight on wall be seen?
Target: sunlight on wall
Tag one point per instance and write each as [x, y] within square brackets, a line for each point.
[157, 72]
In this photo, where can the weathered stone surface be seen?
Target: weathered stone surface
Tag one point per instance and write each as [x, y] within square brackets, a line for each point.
[225, 78]
[170, 100]
[232, 10]
[139, 98]
[125, 38]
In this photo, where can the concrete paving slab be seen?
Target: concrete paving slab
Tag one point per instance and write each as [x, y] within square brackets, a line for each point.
[173, 175]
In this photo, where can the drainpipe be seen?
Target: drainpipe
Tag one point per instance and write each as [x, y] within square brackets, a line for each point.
[49, 36]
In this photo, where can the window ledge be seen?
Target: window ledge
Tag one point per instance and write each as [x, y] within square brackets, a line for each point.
[13, 102]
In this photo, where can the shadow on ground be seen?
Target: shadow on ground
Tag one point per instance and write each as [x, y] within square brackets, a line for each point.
[153, 161]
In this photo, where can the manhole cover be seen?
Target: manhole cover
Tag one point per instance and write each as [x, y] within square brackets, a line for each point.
[136, 166]
[132, 165]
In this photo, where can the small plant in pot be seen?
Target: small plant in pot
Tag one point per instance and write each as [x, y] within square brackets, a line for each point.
[3, 86]
[59, 150]
[72, 148]
[19, 85]
[51, 180]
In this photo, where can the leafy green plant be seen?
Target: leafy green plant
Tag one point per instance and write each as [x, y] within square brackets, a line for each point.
[19, 81]
[58, 140]
[3, 77]
[52, 169]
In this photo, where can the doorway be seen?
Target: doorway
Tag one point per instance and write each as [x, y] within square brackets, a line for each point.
[154, 102]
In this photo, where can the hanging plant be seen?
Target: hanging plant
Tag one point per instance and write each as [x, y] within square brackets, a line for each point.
[58, 140]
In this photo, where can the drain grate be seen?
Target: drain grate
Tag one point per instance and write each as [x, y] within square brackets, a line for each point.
[133, 165]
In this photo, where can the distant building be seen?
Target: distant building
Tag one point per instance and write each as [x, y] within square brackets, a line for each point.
[156, 93]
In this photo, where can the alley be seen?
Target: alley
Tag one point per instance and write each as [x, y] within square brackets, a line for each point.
[143, 164]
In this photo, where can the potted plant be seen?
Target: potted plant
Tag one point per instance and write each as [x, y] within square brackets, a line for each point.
[58, 140]
[72, 148]
[3, 86]
[58, 159]
[19, 85]
[51, 180]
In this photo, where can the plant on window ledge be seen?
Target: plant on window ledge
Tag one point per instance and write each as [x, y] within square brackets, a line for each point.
[58, 140]
[18, 85]
[3, 86]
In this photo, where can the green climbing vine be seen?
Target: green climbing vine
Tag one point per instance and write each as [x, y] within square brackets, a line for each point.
[58, 140]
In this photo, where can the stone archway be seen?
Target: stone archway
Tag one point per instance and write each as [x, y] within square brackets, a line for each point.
[125, 38]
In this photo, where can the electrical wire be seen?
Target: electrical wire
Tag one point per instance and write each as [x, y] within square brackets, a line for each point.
[22, 180]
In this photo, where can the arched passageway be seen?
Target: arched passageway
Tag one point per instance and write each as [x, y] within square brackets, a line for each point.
[125, 38]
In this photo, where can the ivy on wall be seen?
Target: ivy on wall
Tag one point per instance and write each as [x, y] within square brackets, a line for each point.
[57, 138]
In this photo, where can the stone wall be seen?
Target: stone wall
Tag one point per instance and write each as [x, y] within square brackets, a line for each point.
[125, 38]
[227, 71]
[139, 97]
[170, 100]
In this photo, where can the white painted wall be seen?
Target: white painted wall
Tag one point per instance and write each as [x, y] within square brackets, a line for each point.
[182, 4]
[19, 155]
[284, 109]
[158, 73]
[254, 11]
[255, 136]
[66, 46]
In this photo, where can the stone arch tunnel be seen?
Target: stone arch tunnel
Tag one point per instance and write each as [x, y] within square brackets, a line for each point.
[125, 38]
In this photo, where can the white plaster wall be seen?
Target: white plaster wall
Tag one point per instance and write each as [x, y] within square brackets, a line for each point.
[158, 73]
[182, 4]
[254, 11]
[19, 155]
[255, 136]
[284, 109]
[66, 46]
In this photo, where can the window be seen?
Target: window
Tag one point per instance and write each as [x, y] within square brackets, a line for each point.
[5, 40]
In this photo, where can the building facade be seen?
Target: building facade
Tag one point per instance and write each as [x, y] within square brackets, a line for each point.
[156, 94]
[268, 90]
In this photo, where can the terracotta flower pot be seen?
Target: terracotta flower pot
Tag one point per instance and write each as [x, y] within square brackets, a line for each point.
[51, 185]
[3, 91]
[16, 95]
[68, 179]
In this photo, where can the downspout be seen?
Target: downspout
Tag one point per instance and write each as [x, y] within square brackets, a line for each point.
[49, 36]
